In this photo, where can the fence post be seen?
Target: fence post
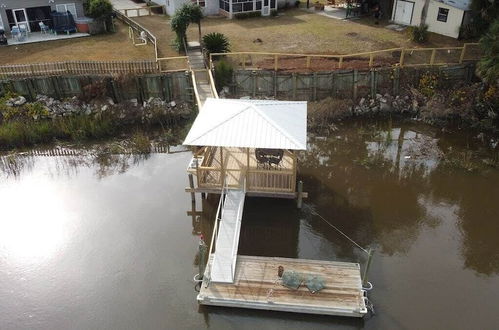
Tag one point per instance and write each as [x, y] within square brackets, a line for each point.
[333, 84]
[463, 51]
[371, 59]
[243, 61]
[340, 62]
[355, 78]
[373, 83]
[275, 84]
[294, 85]
[396, 81]
[314, 87]
[308, 62]
[276, 63]
[253, 75]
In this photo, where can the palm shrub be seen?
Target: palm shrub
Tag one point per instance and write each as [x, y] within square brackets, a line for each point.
[215, 42]
[488, 66]
[419, 33]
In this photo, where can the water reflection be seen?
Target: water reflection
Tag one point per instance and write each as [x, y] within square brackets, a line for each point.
[384, 184]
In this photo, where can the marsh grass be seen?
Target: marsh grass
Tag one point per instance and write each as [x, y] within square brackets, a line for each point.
[16, 134]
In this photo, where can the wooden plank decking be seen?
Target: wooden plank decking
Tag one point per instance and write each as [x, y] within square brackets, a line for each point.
[256, 286]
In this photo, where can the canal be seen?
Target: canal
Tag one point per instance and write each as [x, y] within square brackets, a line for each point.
[96, 240]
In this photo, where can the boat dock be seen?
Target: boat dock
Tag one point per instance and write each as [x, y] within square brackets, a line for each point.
[257, 286]
[248, 148]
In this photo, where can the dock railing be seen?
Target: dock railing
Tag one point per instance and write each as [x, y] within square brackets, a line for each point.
[385, 57]
[279, 180]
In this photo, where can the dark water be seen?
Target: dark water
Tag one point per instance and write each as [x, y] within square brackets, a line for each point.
[106, 242]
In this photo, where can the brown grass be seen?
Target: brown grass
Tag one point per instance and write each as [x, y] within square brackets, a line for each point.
[296, 31]
[106, 47]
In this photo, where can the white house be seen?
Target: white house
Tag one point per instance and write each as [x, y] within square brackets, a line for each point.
[224, 7]
[443, 16]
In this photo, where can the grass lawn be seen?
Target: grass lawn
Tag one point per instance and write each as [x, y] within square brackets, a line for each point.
[295, 31]
[106, 47]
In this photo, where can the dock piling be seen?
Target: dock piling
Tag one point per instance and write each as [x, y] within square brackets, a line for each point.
[299, 200]
[368, 264]
[191, 185]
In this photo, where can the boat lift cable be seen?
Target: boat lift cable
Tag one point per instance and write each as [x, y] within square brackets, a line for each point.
[337, 229]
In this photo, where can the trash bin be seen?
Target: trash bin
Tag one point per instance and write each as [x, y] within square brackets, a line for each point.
[82, 24]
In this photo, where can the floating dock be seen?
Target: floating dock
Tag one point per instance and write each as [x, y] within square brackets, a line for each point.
[257, 286]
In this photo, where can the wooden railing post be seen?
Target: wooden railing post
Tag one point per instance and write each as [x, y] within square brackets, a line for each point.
[432, 58]
[276, 62]
[402, 54]
[463, 51]
[340, 62]
[371, 59]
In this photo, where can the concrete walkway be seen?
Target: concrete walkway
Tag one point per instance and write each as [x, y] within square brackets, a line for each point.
[120, 5]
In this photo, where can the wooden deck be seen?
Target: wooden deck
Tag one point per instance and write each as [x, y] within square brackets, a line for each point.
[257, 286]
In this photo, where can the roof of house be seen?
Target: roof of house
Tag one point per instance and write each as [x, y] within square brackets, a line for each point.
[460, 4]
[250, 124]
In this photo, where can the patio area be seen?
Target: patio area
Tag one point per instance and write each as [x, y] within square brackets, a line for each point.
[34, 37]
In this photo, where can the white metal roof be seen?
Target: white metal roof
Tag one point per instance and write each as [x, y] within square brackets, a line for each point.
[250, 124]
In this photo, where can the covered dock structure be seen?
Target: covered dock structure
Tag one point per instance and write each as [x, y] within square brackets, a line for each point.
[247, 148]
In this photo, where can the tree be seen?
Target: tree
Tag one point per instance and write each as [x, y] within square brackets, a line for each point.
[488, 66]
[487, 10]
[98, 9]
[188, 13]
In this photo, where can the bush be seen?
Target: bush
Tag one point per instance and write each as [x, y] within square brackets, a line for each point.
[419, 33]
[273, 12]
[98, 8]
[322, 113]
[297, 3]
[248, 15]
[223, 74]
[215, 42]
[428, 84]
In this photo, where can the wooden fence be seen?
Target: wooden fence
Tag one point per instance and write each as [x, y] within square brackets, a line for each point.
[176, 86]
[403, 57]
[339, 83]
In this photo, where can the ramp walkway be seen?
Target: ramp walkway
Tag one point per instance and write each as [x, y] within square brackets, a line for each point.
[204, 85]
[227, 241]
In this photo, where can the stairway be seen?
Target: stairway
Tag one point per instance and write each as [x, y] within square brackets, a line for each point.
[197, 65]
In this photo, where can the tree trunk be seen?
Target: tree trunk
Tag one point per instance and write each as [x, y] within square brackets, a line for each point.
[424, 12]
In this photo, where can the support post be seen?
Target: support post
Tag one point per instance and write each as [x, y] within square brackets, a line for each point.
[191, 184]
[432, 58]
[368, 265]
[401, 61]
[276, 63]
[299, 200]
[463, 52]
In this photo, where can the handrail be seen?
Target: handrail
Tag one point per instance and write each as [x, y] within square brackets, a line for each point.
[194, 85]
[340, 57]
[212, 84]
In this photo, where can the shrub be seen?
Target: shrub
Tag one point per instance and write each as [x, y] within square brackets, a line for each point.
[297, 3]
[428, 84]
[215, 42]
[419, 33]
[488, 66]
[223, 74]
[322, 113]
[273, 12]
[140, 143]
[248, 15]
[94, 90]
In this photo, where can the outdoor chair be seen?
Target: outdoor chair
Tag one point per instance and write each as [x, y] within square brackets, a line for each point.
[269, 157]
[15, 33]
[44, 28]
[23, 30]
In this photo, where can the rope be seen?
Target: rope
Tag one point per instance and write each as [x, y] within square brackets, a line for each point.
[333, 226]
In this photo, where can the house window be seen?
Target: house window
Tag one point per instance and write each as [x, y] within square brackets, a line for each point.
[200, 3]
[63, 8]
[442, 14]
[224, 5]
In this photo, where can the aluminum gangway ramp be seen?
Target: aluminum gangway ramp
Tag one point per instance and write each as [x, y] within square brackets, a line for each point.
[227, 242]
